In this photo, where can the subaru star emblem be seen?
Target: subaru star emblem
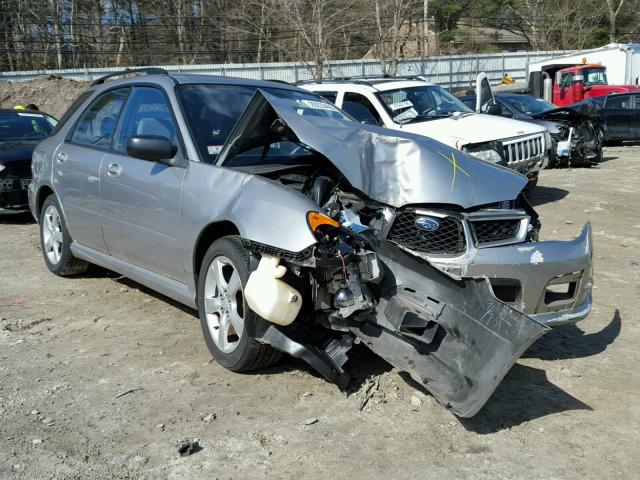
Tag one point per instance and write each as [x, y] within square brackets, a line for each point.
[427, 223]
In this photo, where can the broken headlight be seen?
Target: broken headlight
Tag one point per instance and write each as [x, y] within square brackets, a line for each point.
[489, 152]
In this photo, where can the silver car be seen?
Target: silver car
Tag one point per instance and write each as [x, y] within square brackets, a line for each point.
[292, 228]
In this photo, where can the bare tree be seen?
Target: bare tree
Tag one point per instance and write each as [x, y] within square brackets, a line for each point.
[318, 23]
[393, 30]
[613, 9]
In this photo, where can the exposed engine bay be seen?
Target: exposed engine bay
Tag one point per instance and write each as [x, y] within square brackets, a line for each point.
[451, 291]
[577, 138]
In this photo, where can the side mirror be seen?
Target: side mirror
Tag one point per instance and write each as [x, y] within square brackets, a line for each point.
[151, 147]
[494, 109]
[369, 121]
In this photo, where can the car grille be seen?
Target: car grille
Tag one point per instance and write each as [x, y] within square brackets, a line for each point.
[524, 149]
[488, 231]
[448, 239]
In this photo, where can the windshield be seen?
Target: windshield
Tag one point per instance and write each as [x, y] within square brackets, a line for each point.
[213, 110]
[420, 103]
[529, 105]
[22, 125]
[594, 76]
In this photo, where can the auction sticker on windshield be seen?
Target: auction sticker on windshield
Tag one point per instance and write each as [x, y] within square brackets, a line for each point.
[318, 105]
[399, 105]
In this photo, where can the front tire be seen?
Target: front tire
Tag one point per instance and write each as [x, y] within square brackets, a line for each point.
[226, 320]
[532, 183]
[55, 241]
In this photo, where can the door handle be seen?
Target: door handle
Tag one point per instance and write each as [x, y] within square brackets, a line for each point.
[114, 170]
[62, 157]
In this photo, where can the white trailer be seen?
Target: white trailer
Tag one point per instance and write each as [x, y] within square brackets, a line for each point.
[622, 62]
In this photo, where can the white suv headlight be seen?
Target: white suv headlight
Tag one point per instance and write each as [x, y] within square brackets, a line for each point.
[489, 155]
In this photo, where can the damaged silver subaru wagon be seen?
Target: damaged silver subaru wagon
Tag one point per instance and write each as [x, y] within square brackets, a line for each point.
[292, 228]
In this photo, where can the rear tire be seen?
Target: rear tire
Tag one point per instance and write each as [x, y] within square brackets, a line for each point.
[55, 241]
[224, 315]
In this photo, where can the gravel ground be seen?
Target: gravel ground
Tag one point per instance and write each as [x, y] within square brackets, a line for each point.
[71, 349]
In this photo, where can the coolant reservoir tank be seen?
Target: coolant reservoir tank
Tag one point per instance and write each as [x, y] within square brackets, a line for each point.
[268, 296]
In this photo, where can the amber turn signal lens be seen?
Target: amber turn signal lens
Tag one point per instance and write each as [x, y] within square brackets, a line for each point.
[317, 220]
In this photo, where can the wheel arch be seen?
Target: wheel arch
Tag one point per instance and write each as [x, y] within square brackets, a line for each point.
[207, 236]
[43, 192]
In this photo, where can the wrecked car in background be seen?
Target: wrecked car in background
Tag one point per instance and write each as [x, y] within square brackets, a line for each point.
[299, 230]
[576, 138]
[618, 115]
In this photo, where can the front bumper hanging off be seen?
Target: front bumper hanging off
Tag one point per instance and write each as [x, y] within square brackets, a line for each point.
[456, 336]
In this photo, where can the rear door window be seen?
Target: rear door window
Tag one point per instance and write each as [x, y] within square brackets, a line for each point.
[360, 108]
[71, 110]
[96, 126]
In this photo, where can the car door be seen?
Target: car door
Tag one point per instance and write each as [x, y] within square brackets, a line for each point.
[618, 113]
[140, 199]
[76, 167]
[484, 94]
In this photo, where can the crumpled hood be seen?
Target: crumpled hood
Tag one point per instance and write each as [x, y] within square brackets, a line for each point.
[474, 128]
[561, 114]
[392, 167]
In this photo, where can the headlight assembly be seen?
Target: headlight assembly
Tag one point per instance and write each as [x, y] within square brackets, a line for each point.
[487, 155]
[488, 151]
[2, 167]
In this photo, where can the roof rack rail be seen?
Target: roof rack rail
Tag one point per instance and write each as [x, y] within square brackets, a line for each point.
[134, 71]
[364, 79]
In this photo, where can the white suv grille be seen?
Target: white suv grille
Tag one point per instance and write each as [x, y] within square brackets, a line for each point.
[524, 149]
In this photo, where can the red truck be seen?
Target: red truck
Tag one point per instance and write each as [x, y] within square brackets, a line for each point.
[572, 84]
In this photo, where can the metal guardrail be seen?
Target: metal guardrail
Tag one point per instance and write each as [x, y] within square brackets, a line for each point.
[457, 71]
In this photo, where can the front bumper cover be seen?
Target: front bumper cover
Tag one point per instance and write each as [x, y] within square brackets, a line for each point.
[451, 336]
[549, 281]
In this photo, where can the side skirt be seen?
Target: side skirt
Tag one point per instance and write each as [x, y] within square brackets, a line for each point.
[166, 286]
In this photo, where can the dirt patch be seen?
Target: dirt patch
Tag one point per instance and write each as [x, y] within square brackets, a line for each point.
[52, 95]
[568, 409]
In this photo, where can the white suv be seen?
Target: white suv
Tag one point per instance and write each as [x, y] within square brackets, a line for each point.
[430, 110]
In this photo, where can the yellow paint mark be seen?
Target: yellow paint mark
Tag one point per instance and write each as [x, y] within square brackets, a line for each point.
[453, 162]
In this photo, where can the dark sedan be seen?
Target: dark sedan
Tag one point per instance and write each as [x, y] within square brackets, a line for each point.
[20, 132]
[620, 117]
[576, 138]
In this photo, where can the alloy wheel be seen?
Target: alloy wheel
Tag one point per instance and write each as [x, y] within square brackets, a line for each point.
[224, 304]
[52, 234]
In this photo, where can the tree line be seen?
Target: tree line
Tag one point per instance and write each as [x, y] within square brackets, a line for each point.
[39, 34]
